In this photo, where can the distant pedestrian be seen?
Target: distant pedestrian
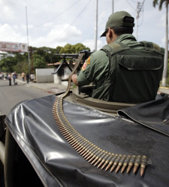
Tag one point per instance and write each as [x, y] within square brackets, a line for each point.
[23, 76]
[9, 79]
[14, 77]
[32, 77]
[27, 78]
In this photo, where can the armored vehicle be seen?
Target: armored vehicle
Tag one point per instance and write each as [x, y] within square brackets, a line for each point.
[70, 139]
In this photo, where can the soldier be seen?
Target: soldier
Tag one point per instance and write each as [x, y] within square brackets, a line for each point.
[124, 70]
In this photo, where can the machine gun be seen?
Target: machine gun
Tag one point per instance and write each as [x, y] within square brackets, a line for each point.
[70, 64]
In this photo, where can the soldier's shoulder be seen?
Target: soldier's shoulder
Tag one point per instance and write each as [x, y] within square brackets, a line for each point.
[152, 45]
[97, 54]
[113, 45]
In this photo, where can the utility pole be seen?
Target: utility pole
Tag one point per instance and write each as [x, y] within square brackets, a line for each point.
[164, 76]
[27, 34]
[112, 6]
[96, 26]
[139, 9]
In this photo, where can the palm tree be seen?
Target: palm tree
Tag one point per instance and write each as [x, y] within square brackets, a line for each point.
[160, 3]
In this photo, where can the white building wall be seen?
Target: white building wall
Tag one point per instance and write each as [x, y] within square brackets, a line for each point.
[44, 75]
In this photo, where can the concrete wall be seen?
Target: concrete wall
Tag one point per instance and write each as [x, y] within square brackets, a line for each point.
[44, 75]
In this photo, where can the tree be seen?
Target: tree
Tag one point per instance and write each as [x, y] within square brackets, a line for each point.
[58, 49]
[7, 64]
[21, 66]
[67, 49]
[79, 47]
[160, 3]
[40, 57]
[22, 63]
[38, 61]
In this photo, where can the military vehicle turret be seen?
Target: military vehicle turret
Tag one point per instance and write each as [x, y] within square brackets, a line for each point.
[70, 139]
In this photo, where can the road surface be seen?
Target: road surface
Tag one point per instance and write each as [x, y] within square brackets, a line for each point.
[11, 95]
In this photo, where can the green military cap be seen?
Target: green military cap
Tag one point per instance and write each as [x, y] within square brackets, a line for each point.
[119, 19]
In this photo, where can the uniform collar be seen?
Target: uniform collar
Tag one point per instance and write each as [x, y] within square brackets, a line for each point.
[124, 37]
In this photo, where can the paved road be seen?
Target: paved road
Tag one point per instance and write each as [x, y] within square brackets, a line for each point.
[11, 95]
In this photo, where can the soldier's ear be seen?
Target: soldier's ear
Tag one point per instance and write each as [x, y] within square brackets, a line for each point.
[110, 33]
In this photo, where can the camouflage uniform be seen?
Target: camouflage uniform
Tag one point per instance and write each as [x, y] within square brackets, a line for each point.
[139, 85]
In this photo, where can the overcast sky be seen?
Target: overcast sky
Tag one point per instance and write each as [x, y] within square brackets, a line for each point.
[53, 23]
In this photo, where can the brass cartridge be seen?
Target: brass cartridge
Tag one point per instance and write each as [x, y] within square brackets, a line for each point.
[125, 163]
[116, 162]
[131, 163]
[136, 163]
[143, 164]
[111, 161]
[107, 160]
[120, 163]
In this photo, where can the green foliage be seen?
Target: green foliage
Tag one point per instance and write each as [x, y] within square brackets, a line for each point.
[39, 61]
[68, 48]
[7, 64]
[21, 66]
[79, 47]
[160, 3]
[39, 58]
[58, 49]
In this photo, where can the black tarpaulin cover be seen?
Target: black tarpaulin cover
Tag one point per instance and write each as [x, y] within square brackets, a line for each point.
[57, 164]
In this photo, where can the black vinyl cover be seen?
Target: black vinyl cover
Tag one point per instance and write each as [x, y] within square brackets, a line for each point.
[57, 164]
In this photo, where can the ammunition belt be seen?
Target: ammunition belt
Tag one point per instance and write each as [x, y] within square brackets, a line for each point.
[90, 152]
